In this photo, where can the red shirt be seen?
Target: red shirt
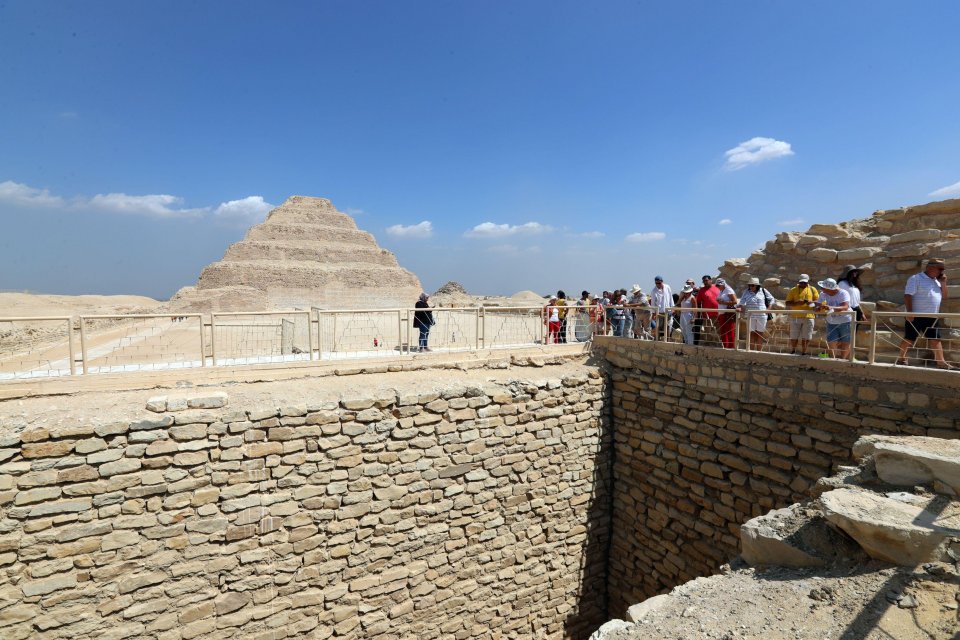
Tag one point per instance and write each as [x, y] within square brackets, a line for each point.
[707, 298]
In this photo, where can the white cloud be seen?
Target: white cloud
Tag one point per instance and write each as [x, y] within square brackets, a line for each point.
[420, 230]
[649, 236]
[756, 150]
[946, 192]
[157, 205]
[590, 234]
[725, 221]
[248, 210]
[20, 194]
[791, 223]
[491, 230]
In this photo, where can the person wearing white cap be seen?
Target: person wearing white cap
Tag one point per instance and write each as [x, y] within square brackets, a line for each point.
[754, 298]
[687, 302]
[726, 323]
[834, 299]
[801, 297]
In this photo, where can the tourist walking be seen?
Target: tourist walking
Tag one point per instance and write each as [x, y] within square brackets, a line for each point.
[754, 298]
[801, 297]
[423, 320]
[924, 293]
[727, 322]
[834, 301]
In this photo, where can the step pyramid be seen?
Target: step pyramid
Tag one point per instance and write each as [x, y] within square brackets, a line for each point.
[305, 254]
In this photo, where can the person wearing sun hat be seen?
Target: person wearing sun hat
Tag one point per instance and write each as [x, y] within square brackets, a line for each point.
[801, 297]
[924, 293]
[687, 302]
[753, 299]
[834, 300]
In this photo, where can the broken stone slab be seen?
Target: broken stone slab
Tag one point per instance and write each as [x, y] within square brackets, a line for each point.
[795, 536]
[637, 612]
[608, 628]
[904, 529]
[909, 461]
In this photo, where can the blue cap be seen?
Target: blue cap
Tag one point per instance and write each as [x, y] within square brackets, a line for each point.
[658, 279]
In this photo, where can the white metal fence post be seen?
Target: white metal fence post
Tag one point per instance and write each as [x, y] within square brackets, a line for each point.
[73, 364]
[872, 357]
[213, 339]
[203, 346]
[83, 346]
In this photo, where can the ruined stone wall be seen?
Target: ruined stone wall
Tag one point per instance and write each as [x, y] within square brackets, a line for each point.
[476, 512]
[705, 439]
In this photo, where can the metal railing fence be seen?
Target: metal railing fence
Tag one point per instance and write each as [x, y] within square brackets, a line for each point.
[46, 346]
[33, 347]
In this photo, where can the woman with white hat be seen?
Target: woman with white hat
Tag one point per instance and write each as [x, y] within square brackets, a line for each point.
[753, 299]
[687, 303]
[833, 299]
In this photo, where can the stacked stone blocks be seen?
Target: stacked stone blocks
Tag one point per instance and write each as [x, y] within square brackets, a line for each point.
[472, 512]
[704, 440]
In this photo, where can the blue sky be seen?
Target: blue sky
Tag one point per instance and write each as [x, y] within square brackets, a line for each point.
[547, 144]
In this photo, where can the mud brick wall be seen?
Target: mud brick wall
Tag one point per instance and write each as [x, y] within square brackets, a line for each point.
[707, 439]
[476, 512]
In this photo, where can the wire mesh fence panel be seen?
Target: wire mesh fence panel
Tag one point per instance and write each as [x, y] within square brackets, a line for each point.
[452, 330]
[515, 327]
[360, 334]
[140, 343]
[35, 347]
[260, 338]
[922, 341]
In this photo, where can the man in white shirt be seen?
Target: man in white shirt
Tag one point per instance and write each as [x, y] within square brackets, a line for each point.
[661, 299]
[924, 293]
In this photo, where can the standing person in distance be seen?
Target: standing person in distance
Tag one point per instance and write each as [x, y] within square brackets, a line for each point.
[562, 312]
[423, 320]
[801, 297]
[924, 293]
[833, 299]
[706, 299]
[727, 322]
[754, 299]
[551, 317]
[849, 281]
[687, 303]
[661, 299]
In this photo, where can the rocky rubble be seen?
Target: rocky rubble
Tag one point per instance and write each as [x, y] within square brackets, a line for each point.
[875, 554]
[889, 246]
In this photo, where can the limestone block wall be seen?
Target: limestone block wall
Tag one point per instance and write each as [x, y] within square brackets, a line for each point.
[890, 246]
[706, 439]
[474, 512]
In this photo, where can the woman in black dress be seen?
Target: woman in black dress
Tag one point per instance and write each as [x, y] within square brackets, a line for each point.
[423, 320]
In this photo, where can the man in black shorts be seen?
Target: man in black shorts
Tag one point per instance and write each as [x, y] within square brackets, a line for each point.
[924, 293]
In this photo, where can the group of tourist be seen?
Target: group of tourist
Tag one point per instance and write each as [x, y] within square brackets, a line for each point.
[714, 307]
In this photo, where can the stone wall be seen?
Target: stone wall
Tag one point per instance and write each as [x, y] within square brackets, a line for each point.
[706, 439]
[479, 511]
[889, 246]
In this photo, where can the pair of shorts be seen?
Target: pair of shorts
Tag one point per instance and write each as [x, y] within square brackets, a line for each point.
[839, 332]
[758, 323]
[929, 328]
[801, 328]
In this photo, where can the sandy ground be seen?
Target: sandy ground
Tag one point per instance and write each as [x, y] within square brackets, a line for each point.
[872, 602]
[30, 304]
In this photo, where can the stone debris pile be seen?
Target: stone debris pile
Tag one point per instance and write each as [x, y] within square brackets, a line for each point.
[899, 506]
[889, 246]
